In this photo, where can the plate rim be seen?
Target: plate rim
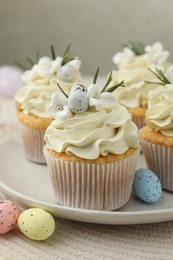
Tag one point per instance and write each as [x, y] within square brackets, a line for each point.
[26, 200]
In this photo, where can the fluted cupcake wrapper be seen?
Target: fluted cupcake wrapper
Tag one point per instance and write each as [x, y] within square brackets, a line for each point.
[92, 186]
[33, 141]
[159, 159]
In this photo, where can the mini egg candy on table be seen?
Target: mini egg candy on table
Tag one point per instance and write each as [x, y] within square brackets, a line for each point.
[9, 215]
[36, 224]
[147, 186]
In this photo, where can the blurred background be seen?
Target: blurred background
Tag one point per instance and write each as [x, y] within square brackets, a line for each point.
[96, 29]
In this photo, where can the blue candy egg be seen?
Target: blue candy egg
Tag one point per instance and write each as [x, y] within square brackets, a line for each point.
[147, 186]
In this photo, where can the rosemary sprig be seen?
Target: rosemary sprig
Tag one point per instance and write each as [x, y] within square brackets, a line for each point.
[30, 63]
[65, 59]
[53, 52]
[137, 47]
[62, 90]
[96, 76]
[107, 82]
[66, 56]
[111, 89]
[160, 75]
[21, 66]
[67, 51]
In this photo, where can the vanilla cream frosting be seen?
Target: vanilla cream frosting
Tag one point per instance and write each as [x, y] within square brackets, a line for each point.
[134, 71]
[40, 83]
[93, 133]
[134, 74]
[32, 99]
[159, 115]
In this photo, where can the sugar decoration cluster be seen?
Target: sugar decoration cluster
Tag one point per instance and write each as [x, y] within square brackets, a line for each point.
[63, 68]
[81, 98]
[153, 54]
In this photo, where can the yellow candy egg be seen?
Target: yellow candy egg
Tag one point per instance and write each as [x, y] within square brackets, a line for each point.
[36, 224]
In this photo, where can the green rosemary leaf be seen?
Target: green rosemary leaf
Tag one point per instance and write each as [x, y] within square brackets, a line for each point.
[96, 76]
[107, 83]
[31, 62]
[137, 47]
[21, 66]
[53, 52]
[66, 60]
[62, 91]
[157, 75]
[67, 51]
[66, 56]
[151, 82]
[111, 89]
[160, 75]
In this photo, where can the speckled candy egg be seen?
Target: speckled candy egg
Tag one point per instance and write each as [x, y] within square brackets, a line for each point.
[36, 224]
[66, 73]
[78, 102]
[78, 88]
[147, 186]
[9, 214]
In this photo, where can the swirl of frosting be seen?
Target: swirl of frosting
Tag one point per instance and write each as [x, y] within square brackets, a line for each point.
[159, 115]
[93, 133]
[41, 83]
[46, 69]
[134, 74]
[43, 71]
[32, 99]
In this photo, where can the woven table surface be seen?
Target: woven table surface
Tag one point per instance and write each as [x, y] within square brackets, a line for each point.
[77, 240]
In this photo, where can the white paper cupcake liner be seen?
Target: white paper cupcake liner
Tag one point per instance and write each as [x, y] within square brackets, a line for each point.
[159, 159]
[33, 141]
[92, 186]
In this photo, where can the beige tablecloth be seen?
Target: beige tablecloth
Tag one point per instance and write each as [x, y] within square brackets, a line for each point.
[76, 240]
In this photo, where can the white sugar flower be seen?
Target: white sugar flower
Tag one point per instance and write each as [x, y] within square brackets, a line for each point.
[100, 100]
[43, 70]
[126, 55]
[46, 67]
[58, 107]
[170, 73]
[156, 54]
[76, 63]
[29, 75]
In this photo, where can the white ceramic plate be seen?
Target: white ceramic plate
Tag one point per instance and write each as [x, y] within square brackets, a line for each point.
[29, 184]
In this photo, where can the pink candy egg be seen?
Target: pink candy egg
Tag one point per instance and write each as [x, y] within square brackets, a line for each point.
[9, 214]
[10, 80]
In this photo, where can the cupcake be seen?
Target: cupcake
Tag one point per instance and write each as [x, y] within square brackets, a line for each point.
[91, 148]
[157, 137]
[30, 101]
[133, 63]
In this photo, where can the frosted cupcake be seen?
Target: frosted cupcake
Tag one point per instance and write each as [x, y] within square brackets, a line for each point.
[133, 63]
[157, 136]
[30, 101]
[91, 148]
